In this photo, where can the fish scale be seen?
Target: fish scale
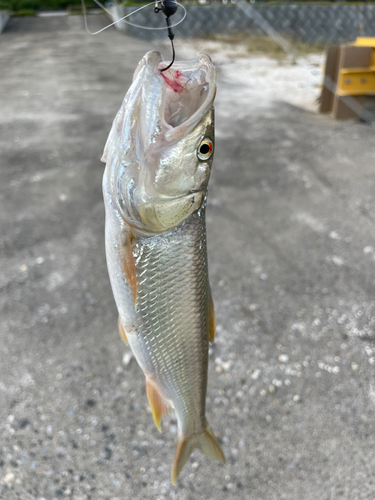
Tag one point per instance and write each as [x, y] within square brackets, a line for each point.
[179, 310]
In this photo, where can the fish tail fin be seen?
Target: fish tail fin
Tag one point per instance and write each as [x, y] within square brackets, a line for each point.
[205, 442]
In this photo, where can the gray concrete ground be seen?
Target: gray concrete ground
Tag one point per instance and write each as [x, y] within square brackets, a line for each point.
[292, 252]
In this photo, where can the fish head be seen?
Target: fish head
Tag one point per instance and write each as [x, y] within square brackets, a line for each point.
[160, 149]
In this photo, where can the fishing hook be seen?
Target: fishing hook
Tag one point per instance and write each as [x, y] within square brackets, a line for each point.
[169, 7]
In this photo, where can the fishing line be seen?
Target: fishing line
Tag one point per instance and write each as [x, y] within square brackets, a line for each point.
[161, 28]
[128, 15]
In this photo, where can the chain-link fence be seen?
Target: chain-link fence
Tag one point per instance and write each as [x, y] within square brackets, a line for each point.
[308, 23]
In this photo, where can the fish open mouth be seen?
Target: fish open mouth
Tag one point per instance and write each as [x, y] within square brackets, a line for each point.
[187, 86]
[190, 88]
[179, 97]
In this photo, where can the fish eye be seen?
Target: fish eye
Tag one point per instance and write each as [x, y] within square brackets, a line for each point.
[205, 149]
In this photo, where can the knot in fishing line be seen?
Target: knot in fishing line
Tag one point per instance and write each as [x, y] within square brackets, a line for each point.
[169, 7]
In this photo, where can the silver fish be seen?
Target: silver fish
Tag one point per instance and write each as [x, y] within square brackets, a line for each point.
[159, 156]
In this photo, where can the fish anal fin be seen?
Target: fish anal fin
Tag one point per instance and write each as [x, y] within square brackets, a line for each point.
[121, 330]
[159, 406]
[211, 321]
[205, 442]
[128, 262]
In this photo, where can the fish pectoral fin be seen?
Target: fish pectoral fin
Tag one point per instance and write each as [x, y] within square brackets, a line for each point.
[205, 442]
[128, 262]
[159, 406]
[166, 214]
[121, 330]
[211, 321]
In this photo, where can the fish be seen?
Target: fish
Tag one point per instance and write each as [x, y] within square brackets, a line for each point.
[158, 159]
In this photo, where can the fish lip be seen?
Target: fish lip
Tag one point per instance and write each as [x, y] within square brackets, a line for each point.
[152, 60]
[155, 60]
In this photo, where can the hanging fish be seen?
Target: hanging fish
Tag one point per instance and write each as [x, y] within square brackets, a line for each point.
[159, 156]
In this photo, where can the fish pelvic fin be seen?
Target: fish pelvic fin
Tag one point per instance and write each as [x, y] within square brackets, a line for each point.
[121, 330]
[205, 442]
[211, 321]
[128, 262]
[159, 406]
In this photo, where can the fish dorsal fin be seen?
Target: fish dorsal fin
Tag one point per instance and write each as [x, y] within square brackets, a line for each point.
[159, 406]
[128, 262]
[121, 330]
[211, 320]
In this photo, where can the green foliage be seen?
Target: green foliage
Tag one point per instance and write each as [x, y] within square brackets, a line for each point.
[138, 3]
[28, 5]
[24, 13]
